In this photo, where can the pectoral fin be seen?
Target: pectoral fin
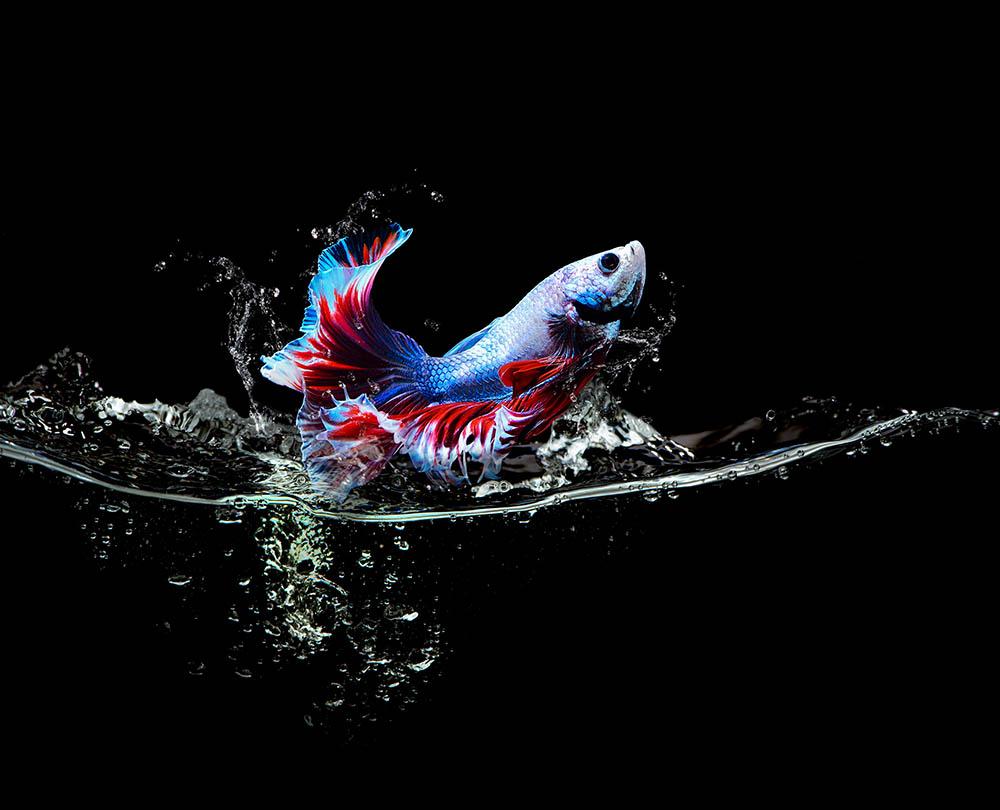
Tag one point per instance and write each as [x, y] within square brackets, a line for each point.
[522, 375]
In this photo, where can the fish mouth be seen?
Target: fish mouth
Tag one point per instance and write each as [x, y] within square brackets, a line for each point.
[611, 314]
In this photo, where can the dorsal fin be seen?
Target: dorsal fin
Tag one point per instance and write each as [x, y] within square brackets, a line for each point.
[471, 340]
[522, 375]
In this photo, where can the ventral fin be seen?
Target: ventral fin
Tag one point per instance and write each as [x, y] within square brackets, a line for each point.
[522, 375]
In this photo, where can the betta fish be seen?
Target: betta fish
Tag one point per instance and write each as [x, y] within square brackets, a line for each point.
[370, 392]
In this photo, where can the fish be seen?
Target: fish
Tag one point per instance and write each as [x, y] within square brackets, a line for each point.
[371, 392]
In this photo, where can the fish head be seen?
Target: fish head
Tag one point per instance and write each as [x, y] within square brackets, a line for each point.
[604, 289]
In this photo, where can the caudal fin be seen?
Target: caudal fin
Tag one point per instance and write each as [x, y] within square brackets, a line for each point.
[345, 344]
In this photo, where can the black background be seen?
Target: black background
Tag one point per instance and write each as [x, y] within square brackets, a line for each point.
[827, 235]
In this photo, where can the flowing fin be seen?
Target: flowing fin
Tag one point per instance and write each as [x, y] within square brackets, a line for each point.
[471, 340]
[345, 446]
[545, 388]
[523, 375]
[345, 343]
[443, 439]
[346, 261]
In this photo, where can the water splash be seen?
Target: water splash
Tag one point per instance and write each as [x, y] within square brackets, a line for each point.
[205, 452]
[262, 303]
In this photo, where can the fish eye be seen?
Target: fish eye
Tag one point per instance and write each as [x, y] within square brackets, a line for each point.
[609, 262]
